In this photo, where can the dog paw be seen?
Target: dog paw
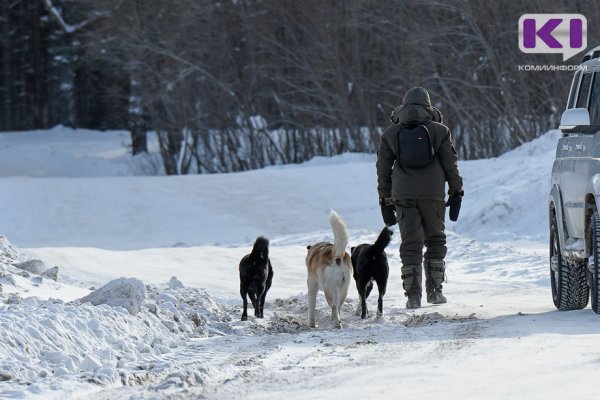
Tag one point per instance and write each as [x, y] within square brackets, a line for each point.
[337, 324]
[244, 318]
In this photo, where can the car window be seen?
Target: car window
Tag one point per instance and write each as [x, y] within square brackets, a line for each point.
[584, 89]
[572, 92]
[594, 106]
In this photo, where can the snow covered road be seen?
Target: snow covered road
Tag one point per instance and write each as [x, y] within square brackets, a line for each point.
[499, 335]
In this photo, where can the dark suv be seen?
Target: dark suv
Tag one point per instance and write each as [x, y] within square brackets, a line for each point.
[575, 194]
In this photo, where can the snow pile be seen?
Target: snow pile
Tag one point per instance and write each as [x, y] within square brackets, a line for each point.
[175, 283]
[68, 339]
[103, 337]
[128, 293]
[34, 266]
[8, 254]
[426, 319]
[38, 267]
[101, 344]
[21, 278]
[506, 197]
[189, 311]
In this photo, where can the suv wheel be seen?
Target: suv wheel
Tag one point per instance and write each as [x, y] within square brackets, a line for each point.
[594, 262]
[568, 281]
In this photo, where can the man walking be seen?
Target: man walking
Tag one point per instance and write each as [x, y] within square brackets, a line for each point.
[415, 159]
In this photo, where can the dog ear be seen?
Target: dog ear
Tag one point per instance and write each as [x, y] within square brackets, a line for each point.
[352, 250]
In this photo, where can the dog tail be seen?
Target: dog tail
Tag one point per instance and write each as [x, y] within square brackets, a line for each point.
[385, 237]
[260, 248]
[340, 234]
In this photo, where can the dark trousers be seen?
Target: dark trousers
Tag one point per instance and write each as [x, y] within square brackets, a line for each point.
[421, 223]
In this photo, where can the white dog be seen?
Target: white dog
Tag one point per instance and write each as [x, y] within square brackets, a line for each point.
[329, 269]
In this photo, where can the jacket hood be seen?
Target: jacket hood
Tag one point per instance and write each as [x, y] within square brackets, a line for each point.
[416, 109]
[417, 95]
[412, 114]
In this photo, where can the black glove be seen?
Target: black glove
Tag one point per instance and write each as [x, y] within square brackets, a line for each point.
[454, 202]
[388, 211]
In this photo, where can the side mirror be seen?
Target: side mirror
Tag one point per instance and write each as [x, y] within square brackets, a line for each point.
[574, 118]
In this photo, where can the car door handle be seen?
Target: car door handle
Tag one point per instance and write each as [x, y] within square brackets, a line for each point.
[579, 147]
[565, 147]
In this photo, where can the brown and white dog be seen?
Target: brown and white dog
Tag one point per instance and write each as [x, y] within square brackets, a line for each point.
[329, 269]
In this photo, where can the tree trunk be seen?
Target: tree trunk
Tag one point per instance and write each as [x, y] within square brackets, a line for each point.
[6, 78]
[137, 126]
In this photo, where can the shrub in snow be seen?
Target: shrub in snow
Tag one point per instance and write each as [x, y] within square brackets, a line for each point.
[33, 266]
[123, 292]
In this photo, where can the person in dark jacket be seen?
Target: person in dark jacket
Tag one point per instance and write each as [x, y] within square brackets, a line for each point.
[414, 196]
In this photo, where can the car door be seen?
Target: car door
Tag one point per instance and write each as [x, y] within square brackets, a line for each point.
[577, 166]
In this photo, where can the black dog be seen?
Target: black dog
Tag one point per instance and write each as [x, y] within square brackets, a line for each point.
[256, 275]
[370, 263]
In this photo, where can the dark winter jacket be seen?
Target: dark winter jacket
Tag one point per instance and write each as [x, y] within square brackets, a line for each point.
[417, 183]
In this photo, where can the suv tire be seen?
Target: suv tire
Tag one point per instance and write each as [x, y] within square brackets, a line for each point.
[568, 281]
[594, 266]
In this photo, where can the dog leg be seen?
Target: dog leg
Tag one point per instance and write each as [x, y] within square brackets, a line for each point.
[358, 310]
[313, 288]
[262, 304]
[380, 306]
[335, 306]
[331, 297]
[333, 279]
[342, 294]
[381, 287]
[363, 302]
[243, 292]
[254, 301]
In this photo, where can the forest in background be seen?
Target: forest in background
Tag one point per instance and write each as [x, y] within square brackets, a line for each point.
[240, 84]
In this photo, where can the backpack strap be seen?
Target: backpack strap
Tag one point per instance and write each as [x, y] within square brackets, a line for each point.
[430, 140]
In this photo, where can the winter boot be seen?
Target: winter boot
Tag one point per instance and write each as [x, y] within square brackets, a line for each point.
[411, 282]
[435, 274]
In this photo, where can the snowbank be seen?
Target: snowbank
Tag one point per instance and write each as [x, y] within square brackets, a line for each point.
[21, 278]
[128, 293]
[506, 197]
[504, 200]
[101, 344]
[101, 338]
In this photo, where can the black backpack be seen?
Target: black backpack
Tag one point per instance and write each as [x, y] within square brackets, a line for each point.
[415, 148]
